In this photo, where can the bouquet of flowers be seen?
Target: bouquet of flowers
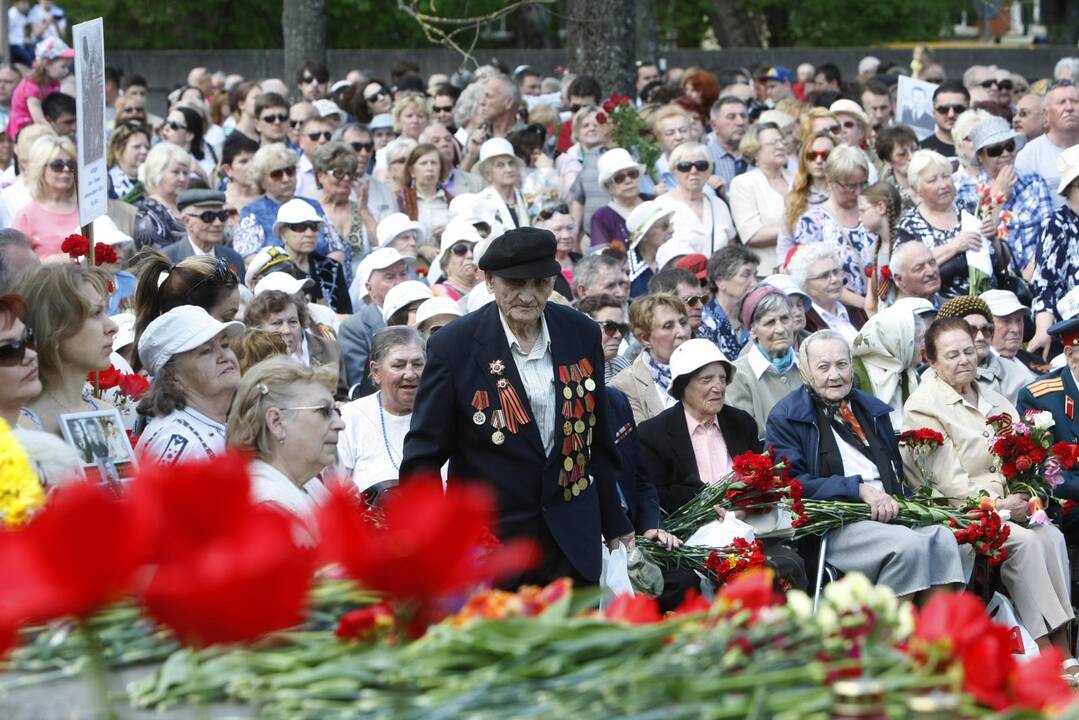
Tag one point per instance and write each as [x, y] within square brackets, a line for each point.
[719, 565]
[1029, 460]
[988, 202]
[922, 442]
[77, 246]
[127, 388]
[630, 131]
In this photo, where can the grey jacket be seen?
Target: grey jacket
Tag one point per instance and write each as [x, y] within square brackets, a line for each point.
[354, 338]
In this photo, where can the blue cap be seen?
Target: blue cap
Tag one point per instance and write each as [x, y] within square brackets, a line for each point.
[779, 73]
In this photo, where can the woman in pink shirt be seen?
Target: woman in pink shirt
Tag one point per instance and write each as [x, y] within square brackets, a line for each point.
[51, 65]
[53, 211]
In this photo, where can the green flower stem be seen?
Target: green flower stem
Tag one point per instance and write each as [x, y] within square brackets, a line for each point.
[98, 671]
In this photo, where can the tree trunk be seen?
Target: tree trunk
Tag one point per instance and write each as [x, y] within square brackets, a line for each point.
[303, 24]
[647, 40]
[601, 40]
[733, 26]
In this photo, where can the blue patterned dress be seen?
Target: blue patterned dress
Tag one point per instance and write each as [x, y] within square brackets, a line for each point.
[1056, 268]
[716, 326]
[853, 245]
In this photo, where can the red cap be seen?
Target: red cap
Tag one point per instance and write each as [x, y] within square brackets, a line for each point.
[695, 263]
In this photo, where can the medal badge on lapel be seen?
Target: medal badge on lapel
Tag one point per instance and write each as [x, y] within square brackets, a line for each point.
[578, 419]
[510, 414]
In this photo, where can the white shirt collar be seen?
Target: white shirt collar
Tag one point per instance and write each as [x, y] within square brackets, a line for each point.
[542, 344]
[304, 355]
[199, 251]
[759, 362]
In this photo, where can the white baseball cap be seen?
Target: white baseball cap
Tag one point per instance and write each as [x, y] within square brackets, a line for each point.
[643, 217]
[181, 329]
[264, 259]
[400, 295]
[283, 282]
[378, 259]
[296, 210]
[615, 160]
[393, 225]
[382, 121]
[671, 249]
[435, 306]
[328, 108]
[473, 208]
[694, 354]
[1002, 302]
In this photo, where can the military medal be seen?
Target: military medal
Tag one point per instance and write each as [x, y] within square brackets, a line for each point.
[498, 422]
[590, 385]
[497, 367]
[481, 403]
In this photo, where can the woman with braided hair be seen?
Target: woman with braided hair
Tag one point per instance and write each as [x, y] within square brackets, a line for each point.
[881, 205]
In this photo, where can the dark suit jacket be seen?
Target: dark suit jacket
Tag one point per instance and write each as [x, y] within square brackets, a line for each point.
[638, 490]
[667, 456]
[525, 480]
[815, 322]
[182, 249]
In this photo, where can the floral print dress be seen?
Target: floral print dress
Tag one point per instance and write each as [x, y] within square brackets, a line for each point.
[853, 245]
[1056, 269]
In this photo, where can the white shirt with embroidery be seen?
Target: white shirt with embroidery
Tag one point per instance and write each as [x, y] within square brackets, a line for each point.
[182, 435]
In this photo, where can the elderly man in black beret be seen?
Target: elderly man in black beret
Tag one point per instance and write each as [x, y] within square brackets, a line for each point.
[204, 215]
[513, 396]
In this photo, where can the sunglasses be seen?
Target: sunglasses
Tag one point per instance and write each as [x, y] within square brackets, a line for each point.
[849, 124]
[222, 275]
[995, 151]
[989, 83]
[295, 123]
[308, 79]
[310, 225]
[368, 146]
[338, 174]
[326, 410]
[549, 212]
[985, 330]
[59, 165]
[1005, 85]
[208, 216]
[461, 249]
[274, 119]
[949, 109]
[695, 300]
[833, 129]
[686, 166]
[442, 108]
[13, 352]
[279, 173]
[612, 328]
[619, 177]
[818, 155]
[319, 135]
[375, 96]
[172, 124]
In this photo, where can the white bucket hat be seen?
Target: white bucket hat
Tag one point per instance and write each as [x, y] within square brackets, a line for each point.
[671, 249]
[395, 224]
[495, 147]
[296, 211]
[379, 259]
[181, 329]
[614, 161]
[694, 354]
[1003, 302]
[643, 217]
[850, 108]
[401, 295]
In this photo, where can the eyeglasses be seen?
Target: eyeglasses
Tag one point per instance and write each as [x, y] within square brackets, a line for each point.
[612, 328]
[310, 225]
[208, 216]
[849, 124]
[173, 125]
[549, 212]
[368, 146]
[818, 155]
[695, 300]
[13, 352]
[827, 275]
[995, 151]
[319, 134]
[833, 129]
[279, 173]
[620, 177]
[338, 174]
[461, 249]
[442, 108]
[988, 83]
[59, 165]
[274, 119]
[308, 79]
[949, 109]
[375, 96]
[686, 166]
[326, 410]
[850, 187]
[986, 330]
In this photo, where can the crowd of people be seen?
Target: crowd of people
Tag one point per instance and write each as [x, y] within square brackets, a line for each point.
[377, 278]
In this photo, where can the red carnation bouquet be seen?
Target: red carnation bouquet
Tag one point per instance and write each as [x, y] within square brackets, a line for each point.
[979, 525]
[922, 442]
[720, 565]
[1028, 458]
[630, 131]
[126, 387]
[77, 246]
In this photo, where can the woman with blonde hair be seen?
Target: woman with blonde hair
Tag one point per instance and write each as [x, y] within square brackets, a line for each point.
[810, 187]
[284, 415]
[701, 219]
[966, 177]
[410, 116]
[53, 212]
[165, 174]
[757, 196]
[581, 164]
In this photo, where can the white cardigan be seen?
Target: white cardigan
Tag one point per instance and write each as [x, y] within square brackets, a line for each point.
[706, 236]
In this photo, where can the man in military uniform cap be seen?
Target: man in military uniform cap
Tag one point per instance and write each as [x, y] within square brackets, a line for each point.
[513, 396]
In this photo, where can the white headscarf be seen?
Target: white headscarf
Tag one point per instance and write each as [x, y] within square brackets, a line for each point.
[885, 346]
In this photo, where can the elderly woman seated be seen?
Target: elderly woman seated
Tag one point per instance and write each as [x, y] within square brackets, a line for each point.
[950, 401]
[659, 322]
[195, 374]
[817, 270]
[887, 352]
[841, 446]
[691, 444]
[993, 373]
[768, 369]
[376, 425]
[284, 414]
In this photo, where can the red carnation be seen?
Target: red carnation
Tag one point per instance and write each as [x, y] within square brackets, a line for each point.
[75, 246]
[601, 117]
[634, 609]
[134, 385]
[1067, 453]
[869, 270]
[1067, 506]
[885, 272]
[104, 254]
[364, 623]
[106, 379]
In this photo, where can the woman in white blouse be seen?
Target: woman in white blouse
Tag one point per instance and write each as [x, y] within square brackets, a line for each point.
[700, 219]
[501, 169]
[375, 426]
[757, 196]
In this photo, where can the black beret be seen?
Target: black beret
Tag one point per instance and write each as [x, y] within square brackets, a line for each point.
[200, 196]
[522, 254]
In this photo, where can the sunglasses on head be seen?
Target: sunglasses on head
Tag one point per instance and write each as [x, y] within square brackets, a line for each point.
[59, 165]
[274, 119]
[695, 300]
[13, 352]
[687, 165]
[368, 146]
[619, 177]
[319, 135]
[208, 216]
[461, 249]
[442, 108]
[310, 225]
[612, 328]
[279, 173]
[222, 275]
[995, 151]
[376, 95]
[818, 155]
[173, 125]
[949, 109]
[549, 212]
[325, 410]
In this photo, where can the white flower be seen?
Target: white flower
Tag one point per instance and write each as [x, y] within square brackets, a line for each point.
[800, 604]
[839, 594]
[860, 588]
[1043, 420]
[904, 621]
[884, 601]
[828, 619]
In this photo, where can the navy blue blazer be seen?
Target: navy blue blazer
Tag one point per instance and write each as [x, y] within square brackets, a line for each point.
[525, 480]
[638, 490]
[792, 430]
[182, 249]
[1057, 393]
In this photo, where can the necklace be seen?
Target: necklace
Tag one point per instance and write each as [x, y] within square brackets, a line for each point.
[386, 440]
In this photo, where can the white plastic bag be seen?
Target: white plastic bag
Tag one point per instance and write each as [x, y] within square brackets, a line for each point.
[1002, 612]
[721, 533]
[614, 577]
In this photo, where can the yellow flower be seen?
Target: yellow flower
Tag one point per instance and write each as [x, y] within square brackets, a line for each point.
[20, 491]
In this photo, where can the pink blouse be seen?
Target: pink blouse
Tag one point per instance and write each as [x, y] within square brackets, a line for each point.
[46, 229]
[20, 112]
[710, 449]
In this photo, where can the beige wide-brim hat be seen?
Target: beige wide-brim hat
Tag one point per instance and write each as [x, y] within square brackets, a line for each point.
[1068, 163]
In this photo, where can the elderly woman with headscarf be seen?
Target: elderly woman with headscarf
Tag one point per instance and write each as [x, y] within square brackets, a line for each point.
[887, 351]
[620, 176]
[649, 227]
[501, 169]
[196, 374]
[768, 370]
[840, 445]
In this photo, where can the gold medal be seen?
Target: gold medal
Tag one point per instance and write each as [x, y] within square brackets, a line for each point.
[583, 482]
[578, 427]
[580, 459]
[576, 489]
[567, 495]
[567, 428]
[498, 437]
[567, 393]
[591, 421]
[567, 464]
[479, 418]
[590, 385]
